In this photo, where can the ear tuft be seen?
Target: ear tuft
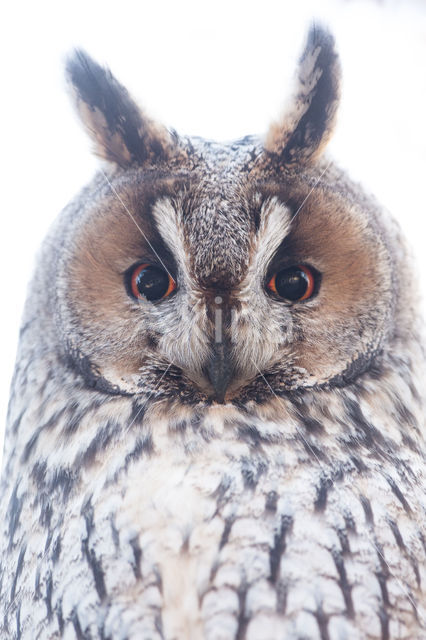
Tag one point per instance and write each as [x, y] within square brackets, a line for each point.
[121, 132]
[301, 135]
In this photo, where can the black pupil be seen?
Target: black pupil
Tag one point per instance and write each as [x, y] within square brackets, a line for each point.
[152, 283]
[291, 283]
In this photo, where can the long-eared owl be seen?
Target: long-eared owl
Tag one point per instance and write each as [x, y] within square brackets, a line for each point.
[217, 419]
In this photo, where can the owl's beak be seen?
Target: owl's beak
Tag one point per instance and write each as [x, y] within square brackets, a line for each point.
[220, 370]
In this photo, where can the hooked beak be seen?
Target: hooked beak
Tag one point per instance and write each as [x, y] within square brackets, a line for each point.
[220, 370]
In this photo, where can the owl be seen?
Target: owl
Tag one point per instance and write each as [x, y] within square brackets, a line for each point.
[216, 427]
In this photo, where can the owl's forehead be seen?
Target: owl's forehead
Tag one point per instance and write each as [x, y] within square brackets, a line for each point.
[219, 216]
[217, 229]
[216, 210]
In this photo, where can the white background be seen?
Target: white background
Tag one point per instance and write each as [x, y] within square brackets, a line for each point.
[218, 69]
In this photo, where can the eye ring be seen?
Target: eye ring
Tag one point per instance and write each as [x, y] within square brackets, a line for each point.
[150, 282]
[295, 283]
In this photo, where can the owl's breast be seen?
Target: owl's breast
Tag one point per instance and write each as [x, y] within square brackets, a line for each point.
[225, 527]
[224, 541]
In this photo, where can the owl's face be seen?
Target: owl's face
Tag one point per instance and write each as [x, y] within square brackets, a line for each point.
[221, 272]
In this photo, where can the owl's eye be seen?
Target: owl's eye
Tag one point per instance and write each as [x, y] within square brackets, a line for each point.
[151, 282]
[294, 283]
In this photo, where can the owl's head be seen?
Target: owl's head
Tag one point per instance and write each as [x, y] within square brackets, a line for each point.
[222, 272]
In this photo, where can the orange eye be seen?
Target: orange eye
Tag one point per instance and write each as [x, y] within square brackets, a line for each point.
[151, 282]
[293, 283]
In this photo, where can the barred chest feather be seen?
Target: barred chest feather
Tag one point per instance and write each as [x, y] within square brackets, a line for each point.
[217, 523]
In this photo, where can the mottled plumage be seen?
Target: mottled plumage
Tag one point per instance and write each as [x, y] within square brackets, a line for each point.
[220, 463]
